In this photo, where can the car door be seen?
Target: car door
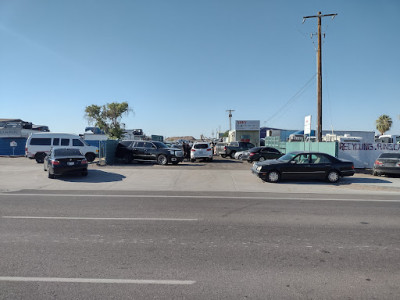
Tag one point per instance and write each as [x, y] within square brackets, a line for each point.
[149, 151]
[319, 166]
[297, 168]
[138, 150]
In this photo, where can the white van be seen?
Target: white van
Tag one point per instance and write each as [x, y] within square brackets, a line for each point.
[38, 145]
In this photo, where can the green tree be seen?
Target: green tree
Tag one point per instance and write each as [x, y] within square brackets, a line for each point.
[108, 117]
[383, 123]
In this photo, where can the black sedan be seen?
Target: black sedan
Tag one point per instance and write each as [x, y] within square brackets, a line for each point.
[303, 165]
[65, 160]
[387, 164]
[261, 154]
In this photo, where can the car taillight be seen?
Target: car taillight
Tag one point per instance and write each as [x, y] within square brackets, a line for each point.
[55, 162]
[209, 149]
[398, 164]
[352, 167]
[251, 153]
[84, 162]
[224, 147]
[378, 163]
[193, 150]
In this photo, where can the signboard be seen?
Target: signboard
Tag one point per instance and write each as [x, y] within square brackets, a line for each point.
[13, 144]
[307, 125]
[247, 125]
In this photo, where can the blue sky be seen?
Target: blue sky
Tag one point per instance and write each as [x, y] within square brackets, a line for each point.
[180, 64]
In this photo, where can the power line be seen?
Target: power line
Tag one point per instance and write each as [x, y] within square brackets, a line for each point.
[293, 98]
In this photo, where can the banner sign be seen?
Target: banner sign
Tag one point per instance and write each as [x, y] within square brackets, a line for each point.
[307, 125]
[247, 125]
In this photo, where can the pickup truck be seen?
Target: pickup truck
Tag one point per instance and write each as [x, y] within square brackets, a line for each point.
[232, 148]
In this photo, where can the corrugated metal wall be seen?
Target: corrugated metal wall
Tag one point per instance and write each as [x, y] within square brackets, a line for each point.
[6, 149]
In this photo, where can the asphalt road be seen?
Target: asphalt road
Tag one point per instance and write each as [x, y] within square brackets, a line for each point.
[198, 245]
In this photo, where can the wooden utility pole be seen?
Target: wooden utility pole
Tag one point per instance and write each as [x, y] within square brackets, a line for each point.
[230, 118]
[319, 73]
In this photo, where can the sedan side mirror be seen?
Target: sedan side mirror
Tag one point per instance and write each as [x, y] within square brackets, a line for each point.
[293, 162]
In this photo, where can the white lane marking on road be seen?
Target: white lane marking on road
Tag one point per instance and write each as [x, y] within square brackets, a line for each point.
[105, 219]
[204, 197]
[97, 280]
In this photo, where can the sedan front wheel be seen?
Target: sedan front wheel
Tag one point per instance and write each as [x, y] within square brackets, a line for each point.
[274, 176]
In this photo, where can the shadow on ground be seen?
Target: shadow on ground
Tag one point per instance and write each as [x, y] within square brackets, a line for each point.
[94, 176]
[342, 181]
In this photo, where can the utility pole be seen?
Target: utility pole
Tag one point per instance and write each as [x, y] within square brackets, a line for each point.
[230, 118]
[319, 73]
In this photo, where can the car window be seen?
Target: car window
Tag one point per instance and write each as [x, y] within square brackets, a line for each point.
[56, 141]
[160, 145]
[149, 145]
[200, 146]
[139, 144]
[64, 142]
[76, 142]
[301, 159]
[41, 141]
[273, 150]
[319, 159]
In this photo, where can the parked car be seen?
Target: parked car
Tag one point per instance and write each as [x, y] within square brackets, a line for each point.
[387, 164]
[38, 145]
[65, 160]
[201, 150]
[261, 154]
[303, 165]
[232, 148]
[148, 151]
[238, 155]
[219, 148]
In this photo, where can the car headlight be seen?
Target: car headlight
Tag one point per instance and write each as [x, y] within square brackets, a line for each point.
[259, 168]
[172, 152]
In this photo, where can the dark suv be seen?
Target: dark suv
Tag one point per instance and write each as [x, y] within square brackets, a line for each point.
[148, 151]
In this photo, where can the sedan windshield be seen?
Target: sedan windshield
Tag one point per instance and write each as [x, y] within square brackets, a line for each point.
[287, 157]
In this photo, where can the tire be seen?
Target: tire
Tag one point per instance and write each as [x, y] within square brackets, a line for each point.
[333, 176]
[90, 157]
[261, 158]
[192, 160]
[210, 159]
[273, 176]
[162, 160]
[39, 157]
[223, 155]
[375, 173]
[84, 173]
[232, 155]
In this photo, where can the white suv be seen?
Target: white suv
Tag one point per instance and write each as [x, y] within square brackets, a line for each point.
[201, 150]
